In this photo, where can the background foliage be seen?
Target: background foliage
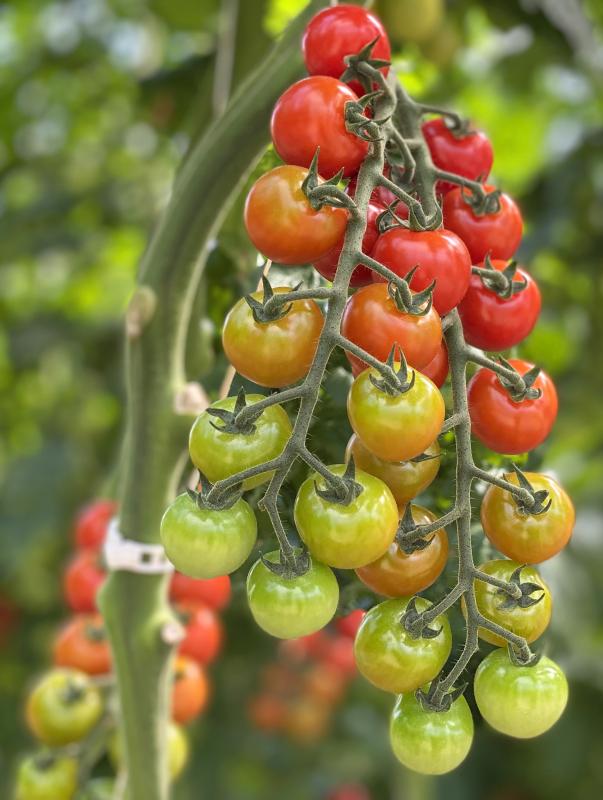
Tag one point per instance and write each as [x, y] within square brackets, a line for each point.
[101, 99]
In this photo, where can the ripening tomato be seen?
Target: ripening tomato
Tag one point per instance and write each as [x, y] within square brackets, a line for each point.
[307, 721]
[492, 322]
[327, 265]
[212, 592]
[441, 256]
[275, 353]
[390, 658]
[395, 427]
[218, 454]
[82, 579]
[530, 622]
[503, 424]
[528, 538]
[291, 607]
[63, 707]
[324, 682]
[204, 542]
[399, 574]
[310, 115]
[372, 321]
[339, 654]
[350, 535]
[349, 624]
[203, 633]
[190, 691]
[92, 522]
[282, 224]
[177, 747]
[497, 235]
[469, 155]
[46, 777]
[438, 368]
[430, 742]
[82, 644]
[267, 712]
[305, 648]
[522, 702]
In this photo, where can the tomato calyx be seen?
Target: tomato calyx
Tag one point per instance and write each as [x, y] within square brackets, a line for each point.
[434, 700]
[409, 543]
[355, 61]
[389, 219]
[230, 420]
[209, 500]
[527, 589]
[397, 381]
[500, 281]
[342, 490]
[417, 304]
[523, 657]
[521, 388]
[270, 308]
[482, 203]
[413, 622]
[541, 500]
[95, 632]
[289, 567]
[322, 193]
[360, 125]
[72, 693]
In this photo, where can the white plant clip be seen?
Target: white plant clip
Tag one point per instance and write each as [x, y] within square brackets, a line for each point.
[130, 556]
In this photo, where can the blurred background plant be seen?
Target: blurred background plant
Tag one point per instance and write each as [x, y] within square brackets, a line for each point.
[102, 99]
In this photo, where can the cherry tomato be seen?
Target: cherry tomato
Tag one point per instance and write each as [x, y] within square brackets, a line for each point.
[206, 543]
[405, 479]
[219, 454]
[530, 622]
[496, 323]
[276, 353]
[63, 707]
[212, 592]
[327, 265]
[395, 427]
[340, 31]
[307, 721]
[311, 114]
[520, 701]
[349, 791]
[305, 648]
[440, 255]
[190, 691]
[324, 683]
[438, 368]
[46, 777]
[469, 155]
[372, 321]
[349, 624]
[430, 742]
[390, 658]
[267, 712]
[91, 524]
[203, 632]
[82, 579]
[396, 573]
[82, 644]
[497, 235]
[411, 20]
[339, 655]
[501, 423]
[282, 224]
[381, 196]
[177, 744]
[291, 607]
[528, 538]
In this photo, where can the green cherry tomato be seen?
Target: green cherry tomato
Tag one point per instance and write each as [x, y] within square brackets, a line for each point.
[346, 536]
[219, 455]
[205, 543]
[390, 658]
[292, 607]
[430, 742]
[45, 777]
[530, 622]
[520, 701]
[528, 538]
[177, 744]
[395, 427]
[63, 707]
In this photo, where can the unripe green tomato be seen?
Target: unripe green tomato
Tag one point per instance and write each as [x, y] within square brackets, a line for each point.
[46, 778]
[522, 702]
[178, 750]
[410, 20]
[442, 48]
[219, 455]
[292, 607]
[430, 742]
[204, 543]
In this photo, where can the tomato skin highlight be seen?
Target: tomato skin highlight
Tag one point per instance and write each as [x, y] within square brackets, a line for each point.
[528, 538]
[82, 579]
[288, 608]
[497, 235]
[400, 574]
[504, 425]
[372, 321]
[203, 633]
[282, 224]
[522, 702]
[389, 658]
[190, 691]
[491, 322]
[346, 536]
[469, 156]
[311, 114]
[82, 644]
[213, 592]
[57, 780]
[430, 742]
[91, 524]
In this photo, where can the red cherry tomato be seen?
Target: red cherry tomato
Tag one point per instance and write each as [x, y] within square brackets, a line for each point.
[373, 321]
[337, 32]
[497, 235]
[91, 524]
[304, 647]
[203, 632]
[469, 155]
[82, 644]
[340, 655]
[348, 625]
[82, 579]
[501, 423]
[438, 368]
[440, 256]
[492, 322]
[190, 691]
[311, 114]
[327, 265]
[213, 592]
